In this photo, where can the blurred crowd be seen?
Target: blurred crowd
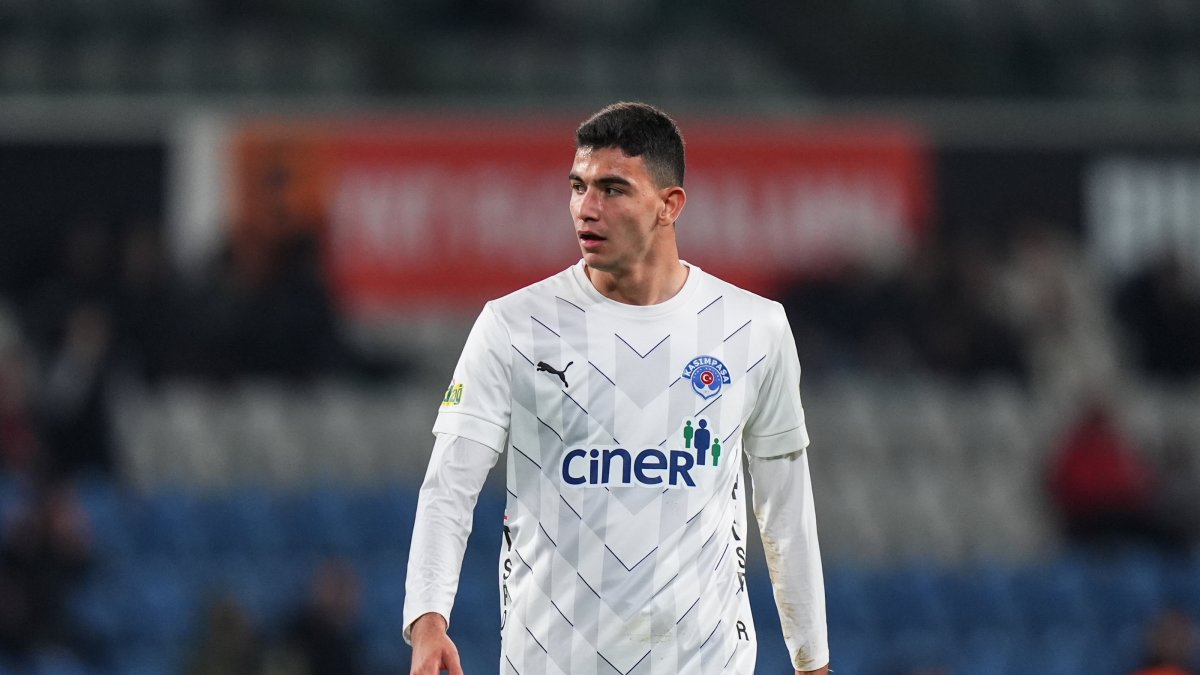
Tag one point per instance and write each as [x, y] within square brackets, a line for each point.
[1025, 304]
[111, 311]
[318, 639]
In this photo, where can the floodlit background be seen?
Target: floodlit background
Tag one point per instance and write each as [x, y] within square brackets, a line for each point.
[241, 244]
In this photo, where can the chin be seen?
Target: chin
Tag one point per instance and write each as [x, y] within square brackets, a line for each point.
[597, 262]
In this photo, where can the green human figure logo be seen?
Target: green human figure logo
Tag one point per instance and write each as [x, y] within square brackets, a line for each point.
[688, 432]
[716, 451]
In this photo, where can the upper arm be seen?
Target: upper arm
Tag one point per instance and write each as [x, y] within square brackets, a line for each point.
[776, 425]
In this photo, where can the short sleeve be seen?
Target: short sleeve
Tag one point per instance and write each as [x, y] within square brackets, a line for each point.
[776, 424]
[477, 404]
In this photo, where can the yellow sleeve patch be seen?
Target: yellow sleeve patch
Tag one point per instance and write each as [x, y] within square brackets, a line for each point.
[453, 394]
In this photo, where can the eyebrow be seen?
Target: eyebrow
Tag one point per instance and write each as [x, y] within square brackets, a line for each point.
[603, 180]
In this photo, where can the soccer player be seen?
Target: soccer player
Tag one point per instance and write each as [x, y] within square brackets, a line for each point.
[623, 549]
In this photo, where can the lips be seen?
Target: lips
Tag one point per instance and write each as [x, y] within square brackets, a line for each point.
[590, 240]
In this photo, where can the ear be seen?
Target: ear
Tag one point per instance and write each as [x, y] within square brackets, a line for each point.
[673, 199]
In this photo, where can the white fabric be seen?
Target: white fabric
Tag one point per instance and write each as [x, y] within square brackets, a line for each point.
[783, 507]
[457, 470]
[625, 429]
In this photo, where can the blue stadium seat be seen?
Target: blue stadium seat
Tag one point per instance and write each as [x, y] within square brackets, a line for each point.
[107, 507]
[847, 601]
[51, 661]
[266, 587]
[1064, 650]
[160, 603]
[1127, 587]
[384, 518]
[168, 523]
[986, 651]
[909, 598]
[320, 521]
[1181, 584]
[96, 608]
[14, 494]
[854, 653]
[1055, 595]
[148, 660]
[383, 594]
[242, 521]
[981, 597]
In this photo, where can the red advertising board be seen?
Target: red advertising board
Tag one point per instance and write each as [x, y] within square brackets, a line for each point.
[449, 213]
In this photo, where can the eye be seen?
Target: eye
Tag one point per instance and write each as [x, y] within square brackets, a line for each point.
[577, 188]
[612, 191]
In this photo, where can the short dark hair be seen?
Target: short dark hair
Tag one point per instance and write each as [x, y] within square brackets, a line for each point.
[639, 130]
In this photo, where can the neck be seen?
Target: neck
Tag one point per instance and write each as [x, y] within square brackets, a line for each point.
[648, 284]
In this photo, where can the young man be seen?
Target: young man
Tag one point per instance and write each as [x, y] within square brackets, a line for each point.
[627, 390]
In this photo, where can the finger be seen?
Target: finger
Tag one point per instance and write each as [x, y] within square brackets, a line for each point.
[453, 666]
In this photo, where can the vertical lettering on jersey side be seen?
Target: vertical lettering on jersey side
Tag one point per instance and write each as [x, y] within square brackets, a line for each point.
[742, 632]
[741, 554]
[506, 567]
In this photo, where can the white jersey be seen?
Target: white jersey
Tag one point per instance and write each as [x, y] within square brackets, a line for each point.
[625, 428]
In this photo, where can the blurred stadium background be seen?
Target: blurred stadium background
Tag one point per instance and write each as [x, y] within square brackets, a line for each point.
[241, 244]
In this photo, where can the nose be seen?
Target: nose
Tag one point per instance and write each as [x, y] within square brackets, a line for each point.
[587, 205]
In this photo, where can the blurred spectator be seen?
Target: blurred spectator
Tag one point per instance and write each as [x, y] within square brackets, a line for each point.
[852, 319]
[942, 311]
[150, 308]
[84, 274]
[322, 638]
[20, 446]
[1170, 646]
[1177, 495]
[229, 643]
[958, 322]
[1052, 295]
[1160, 307]
[70, 328]
[274, 318]
[46, 552]
[1101, 484]
[75, 397]
[271, 314]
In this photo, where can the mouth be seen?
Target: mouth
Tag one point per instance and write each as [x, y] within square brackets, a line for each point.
[589, 239]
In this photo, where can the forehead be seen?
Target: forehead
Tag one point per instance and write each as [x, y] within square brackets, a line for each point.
[594, 162]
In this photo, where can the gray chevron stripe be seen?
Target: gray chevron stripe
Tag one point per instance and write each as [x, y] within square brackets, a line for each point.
[643, 377]
[710, 325]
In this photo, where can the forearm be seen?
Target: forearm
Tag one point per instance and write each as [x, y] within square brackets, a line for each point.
[457, 470]
[783, 506]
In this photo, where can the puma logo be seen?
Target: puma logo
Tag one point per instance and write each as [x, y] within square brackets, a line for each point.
[542, 366]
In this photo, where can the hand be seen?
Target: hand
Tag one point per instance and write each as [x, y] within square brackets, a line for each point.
[433, 650]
